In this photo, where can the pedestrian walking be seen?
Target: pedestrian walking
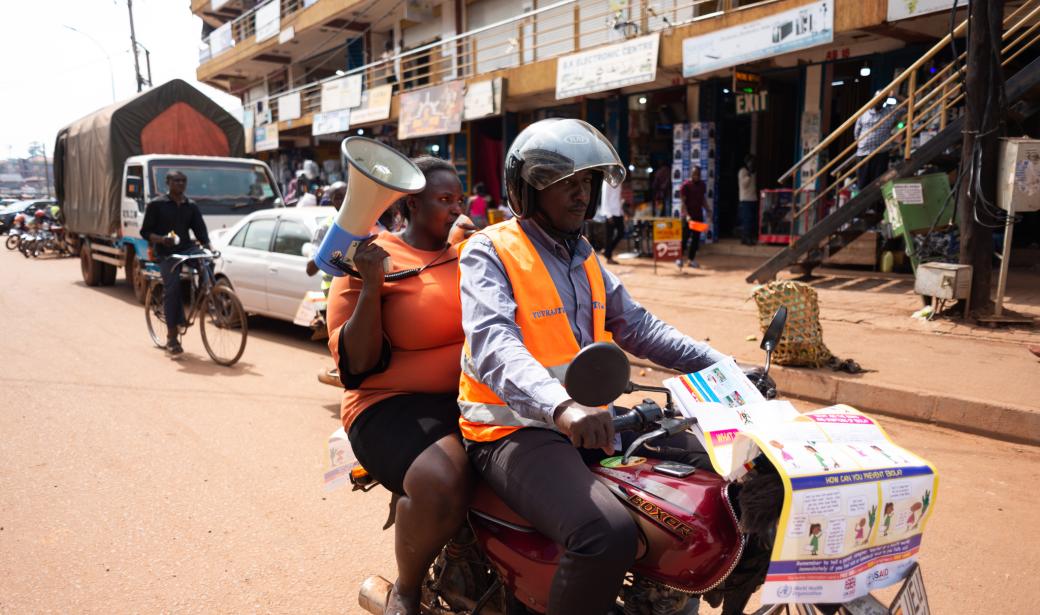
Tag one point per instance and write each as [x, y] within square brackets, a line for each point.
[695, 208]
[168, 220]
[611, 207]
[478, 205]
[748, 209]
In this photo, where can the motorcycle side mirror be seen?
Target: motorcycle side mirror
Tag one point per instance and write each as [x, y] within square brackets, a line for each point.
[598, 375]
[774, 332]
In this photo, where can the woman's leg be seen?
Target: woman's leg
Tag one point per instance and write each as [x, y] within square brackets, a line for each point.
[437, 485]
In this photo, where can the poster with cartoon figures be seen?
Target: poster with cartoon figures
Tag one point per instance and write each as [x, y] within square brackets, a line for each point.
[855, 508]
[725, 403]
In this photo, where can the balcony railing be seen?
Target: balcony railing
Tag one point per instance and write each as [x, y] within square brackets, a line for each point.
[567, 26]
[243, 27]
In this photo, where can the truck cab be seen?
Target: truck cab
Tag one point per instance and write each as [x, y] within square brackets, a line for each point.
[225, 189]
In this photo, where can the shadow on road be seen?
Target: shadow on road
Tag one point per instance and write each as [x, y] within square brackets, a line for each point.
[191, 363]
[333, 409]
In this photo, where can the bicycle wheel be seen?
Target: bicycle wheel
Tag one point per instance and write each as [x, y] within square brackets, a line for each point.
[224, 325]
[154, 316]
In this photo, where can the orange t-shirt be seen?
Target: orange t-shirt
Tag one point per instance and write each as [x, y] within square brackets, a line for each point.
[422, 318]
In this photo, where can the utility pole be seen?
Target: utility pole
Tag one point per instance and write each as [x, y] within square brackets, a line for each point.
[983, 126]
[133, 44]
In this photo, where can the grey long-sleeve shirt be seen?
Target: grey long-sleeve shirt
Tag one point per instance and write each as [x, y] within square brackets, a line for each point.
[496, 344]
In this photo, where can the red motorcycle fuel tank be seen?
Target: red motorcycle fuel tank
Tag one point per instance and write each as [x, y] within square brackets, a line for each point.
[688, 531]
[689, 523]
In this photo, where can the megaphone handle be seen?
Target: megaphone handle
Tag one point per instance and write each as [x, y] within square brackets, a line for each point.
[387, 265]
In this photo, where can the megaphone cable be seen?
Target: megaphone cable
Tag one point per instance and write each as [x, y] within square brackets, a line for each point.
[397, 275]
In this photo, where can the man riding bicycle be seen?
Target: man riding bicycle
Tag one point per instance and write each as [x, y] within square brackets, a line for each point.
[533, 293]
[167, 221]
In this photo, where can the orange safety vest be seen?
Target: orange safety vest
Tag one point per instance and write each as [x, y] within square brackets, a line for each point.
[543, 323]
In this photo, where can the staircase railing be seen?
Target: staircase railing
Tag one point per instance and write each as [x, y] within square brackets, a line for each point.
[927, 104]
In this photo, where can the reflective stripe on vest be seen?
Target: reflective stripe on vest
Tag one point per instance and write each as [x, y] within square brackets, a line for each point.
[543, 324]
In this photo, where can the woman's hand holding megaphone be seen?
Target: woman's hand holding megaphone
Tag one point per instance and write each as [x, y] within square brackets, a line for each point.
[370, 261]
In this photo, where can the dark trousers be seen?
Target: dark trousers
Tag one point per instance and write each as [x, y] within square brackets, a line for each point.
[748, 218]
[545, 479]
[871, 170]
[691, 240]
[615, 231]
[173, 302]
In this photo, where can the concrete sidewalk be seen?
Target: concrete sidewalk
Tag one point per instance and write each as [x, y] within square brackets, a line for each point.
[945, 372]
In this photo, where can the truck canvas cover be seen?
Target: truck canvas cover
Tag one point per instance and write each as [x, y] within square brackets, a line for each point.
[89, 154]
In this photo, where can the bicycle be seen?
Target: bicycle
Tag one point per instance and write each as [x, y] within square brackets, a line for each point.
[223, 323]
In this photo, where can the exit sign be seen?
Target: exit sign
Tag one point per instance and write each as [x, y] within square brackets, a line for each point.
[752, 102]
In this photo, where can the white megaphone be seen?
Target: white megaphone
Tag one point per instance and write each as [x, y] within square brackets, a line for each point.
[379, 175]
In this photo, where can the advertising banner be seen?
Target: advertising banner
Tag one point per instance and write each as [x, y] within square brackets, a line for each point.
[331, 122]
[608, 68]
[805, 26]
[431, 111]
[266, 138]
[220, 40]
[667, 239]
[903, 9]
[268, 20]
[341, 93]
[483, 99]
[375, 105]
[289, 107]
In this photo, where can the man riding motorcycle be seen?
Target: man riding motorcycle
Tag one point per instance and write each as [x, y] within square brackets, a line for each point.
[533, 294]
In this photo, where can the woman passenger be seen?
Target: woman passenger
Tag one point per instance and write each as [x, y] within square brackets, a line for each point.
[398, 345]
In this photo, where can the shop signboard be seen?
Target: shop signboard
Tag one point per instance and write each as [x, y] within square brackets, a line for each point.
[268, 20]
[784, 32]
[375, 105]
[343, 93]
[289, 107]
[608, 68]
[753, 102]
[431, 111]
[266, 138]
[483, 99]
[331, 122]
[904, 9]
[220, 40]
[667, 239]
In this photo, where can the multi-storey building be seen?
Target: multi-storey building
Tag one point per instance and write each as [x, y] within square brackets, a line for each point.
[673, 83]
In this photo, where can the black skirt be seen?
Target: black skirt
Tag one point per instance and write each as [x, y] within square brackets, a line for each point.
[388, 435]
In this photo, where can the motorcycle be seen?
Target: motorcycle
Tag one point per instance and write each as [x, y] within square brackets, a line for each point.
[13, 237]
[699, 534]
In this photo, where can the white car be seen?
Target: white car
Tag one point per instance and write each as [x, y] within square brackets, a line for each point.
[264, 257]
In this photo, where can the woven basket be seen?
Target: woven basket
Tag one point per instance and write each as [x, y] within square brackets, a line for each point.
[802, 341]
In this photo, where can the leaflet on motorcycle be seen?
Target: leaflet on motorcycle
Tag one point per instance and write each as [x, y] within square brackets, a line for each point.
[855, 506]
[724, 402]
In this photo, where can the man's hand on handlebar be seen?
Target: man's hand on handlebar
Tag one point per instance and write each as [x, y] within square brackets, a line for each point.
[587, 427]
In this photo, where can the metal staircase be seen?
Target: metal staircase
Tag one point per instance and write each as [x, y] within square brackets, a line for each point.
[934, 104]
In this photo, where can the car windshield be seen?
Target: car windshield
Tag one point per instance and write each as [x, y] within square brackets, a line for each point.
[217, 183]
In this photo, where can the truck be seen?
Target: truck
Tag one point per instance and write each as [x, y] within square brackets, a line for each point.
[109, 164]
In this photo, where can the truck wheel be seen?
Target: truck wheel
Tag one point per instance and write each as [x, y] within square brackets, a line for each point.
[108, 274]
[90, 268]
[135, 276]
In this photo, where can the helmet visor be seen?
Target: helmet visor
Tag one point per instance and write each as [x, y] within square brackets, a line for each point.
[560, 149]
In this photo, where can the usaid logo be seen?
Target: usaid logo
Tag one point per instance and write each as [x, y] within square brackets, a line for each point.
[878, 575]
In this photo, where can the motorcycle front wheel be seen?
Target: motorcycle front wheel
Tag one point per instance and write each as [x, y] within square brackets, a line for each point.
[12, 242]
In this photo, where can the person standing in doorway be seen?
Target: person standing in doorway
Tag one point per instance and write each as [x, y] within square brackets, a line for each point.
[478, 206]
[873, 128]
[748, 208]
[612, 208]
[695, 208]
[167, 221]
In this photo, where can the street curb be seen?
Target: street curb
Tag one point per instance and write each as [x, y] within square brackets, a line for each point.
[1009, 422]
